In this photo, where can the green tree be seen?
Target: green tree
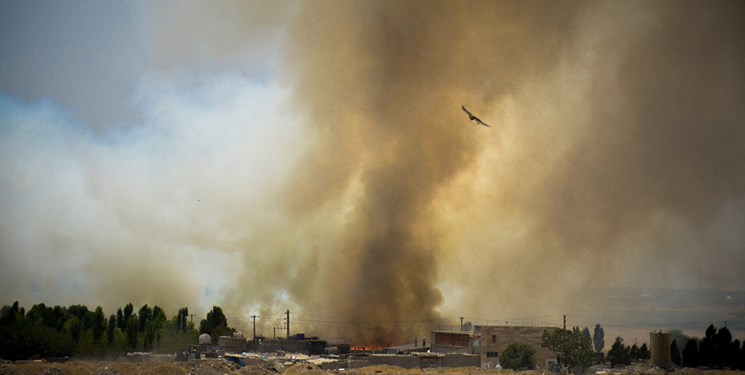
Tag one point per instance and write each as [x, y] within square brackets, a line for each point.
[675, 353]
[110, 329]
[690, 354]
[643, 351]
[518, 356]
[82, 313]
[41, 314]
[598, 339]
[60, 316]
[73, 327]
[120, 322]
[99, 324]
[706, 352]
[128, 311]
[133, 328]
[733, 354]
[32, 335]
[183, 313]
[86, 346]
[572, 347]
[174, 339]
[216, 324]
[619, 353]
[153, 327]
[157, 322]
[722, 345]
[144, 315]
[14, 343]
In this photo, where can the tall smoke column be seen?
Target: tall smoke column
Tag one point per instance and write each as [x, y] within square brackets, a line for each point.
[382, 84]
[615, 160]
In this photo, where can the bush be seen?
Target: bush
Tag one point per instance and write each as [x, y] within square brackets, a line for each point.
[518, 356]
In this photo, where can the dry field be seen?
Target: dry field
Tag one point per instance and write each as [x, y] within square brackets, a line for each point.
[221, 367]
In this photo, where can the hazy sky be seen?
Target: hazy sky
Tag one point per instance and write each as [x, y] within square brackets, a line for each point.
[313, 156]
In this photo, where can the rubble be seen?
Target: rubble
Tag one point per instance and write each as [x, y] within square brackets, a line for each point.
[273, 365]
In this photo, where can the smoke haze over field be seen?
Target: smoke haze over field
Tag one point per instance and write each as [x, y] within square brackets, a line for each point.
[314, 157]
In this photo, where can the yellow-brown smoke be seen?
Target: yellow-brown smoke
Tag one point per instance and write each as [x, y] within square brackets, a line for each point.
[371, 207]
[614, 125]
[382, 84]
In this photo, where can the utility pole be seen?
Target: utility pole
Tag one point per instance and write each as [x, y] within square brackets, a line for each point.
[288, 323]
[461, 323]
[254, 319]
[565, 322]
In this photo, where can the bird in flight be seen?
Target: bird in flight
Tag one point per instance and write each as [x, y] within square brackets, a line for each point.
[472, 117]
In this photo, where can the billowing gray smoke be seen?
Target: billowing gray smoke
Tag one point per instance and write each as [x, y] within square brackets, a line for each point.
[338, 178]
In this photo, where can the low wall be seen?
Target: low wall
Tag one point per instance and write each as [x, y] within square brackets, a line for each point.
[344, 364]
[412, 361]
[403, 361]
[460, 360]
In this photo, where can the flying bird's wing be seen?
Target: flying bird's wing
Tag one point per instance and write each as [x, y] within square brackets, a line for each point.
[478, 121]
[472, 117]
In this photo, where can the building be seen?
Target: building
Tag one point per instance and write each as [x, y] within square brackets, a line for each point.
[495, 339]
[660, 345]
[489, 341]
[453, 339]
[232, 344]
[406, 349]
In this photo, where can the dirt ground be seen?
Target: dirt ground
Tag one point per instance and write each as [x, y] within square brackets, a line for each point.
[221, 367]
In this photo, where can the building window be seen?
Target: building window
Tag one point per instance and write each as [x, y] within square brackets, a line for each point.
[492, 354]
[493, 339]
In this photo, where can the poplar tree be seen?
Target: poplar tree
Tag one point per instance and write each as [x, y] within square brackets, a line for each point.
[598, 339]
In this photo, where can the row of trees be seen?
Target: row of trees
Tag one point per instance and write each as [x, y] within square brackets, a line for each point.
[716, 349]
[598, 337]
[60, 331]
[574, 350]
[619, 353]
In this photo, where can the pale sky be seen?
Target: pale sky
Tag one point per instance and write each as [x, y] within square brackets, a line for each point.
[314, 157]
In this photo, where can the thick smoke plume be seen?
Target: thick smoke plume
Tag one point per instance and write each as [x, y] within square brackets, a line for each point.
[618, 138]
[382, 84]
[346, 185]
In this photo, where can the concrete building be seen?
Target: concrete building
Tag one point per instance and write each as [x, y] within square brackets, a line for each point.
[495, 339]
[489, 341]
